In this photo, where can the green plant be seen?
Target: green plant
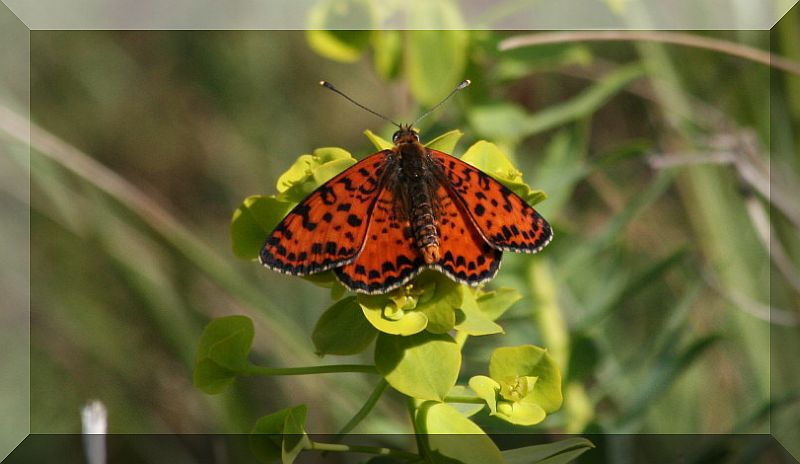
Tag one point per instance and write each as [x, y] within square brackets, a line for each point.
[414, 353]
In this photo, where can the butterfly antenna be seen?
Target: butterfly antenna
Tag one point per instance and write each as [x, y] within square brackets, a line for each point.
[460, 86]
[330, 86]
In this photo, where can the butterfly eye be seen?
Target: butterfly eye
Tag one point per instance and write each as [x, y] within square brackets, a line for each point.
[395, 137]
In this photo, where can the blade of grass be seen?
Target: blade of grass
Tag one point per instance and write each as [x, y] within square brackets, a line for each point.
[650, 274]
[667, 370]
[586, 103]
[510, 122]
[589, 249]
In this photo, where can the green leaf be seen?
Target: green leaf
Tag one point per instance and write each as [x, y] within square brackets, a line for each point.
[446, 142]
[529, 360]
[226, 341]
[222, 353]
[343, 46]
[280, 435]
[469, 317]
[332, 161]
[310, 171]
[342, 329]
[454, 436]
[522, 62]
[424, 366]
[326, 280]
[327, 32]
[436, 50]
[384, 315]
[266, 440]
[486, 388]
[211, 378]
[295, 439]
[495, 303]
[487, 157]
[439, 302]
[499, 121]
[467, 409]
[379, 142]
[253, 220]
[562, 451]
[387, 49]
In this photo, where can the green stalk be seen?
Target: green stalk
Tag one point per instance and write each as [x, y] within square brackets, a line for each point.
[464, 399]
[419, 436]
[365, 409]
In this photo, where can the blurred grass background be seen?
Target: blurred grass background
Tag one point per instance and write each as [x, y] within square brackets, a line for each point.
[654, 295]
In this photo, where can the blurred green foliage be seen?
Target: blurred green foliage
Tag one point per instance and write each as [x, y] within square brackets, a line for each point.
[653, 297]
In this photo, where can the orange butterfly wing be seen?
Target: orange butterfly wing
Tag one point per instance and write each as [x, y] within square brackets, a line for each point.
[503, 218]
[327, 229]
[466, 257]
[389, 257]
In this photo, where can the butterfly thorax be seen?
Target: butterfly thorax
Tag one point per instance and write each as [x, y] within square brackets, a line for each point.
[416, 186]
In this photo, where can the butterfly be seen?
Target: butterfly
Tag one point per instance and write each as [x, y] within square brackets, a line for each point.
[402, 210]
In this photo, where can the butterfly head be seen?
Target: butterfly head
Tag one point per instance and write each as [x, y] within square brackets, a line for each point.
[406, 134]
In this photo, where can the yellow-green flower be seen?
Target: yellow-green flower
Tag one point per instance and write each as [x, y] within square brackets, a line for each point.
[524, 385]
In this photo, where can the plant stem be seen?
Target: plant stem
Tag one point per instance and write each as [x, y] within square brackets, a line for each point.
[464, 399]
[676, 38]
[381, 451]
[254, 370]
[422, 446]
[365, 409]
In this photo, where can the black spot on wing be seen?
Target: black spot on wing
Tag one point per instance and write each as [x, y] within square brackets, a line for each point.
[354, 220]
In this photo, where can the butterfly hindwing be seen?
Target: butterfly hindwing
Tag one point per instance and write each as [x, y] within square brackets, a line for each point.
[466, 257]
[503, 218]
[389, 258]
[327, 229]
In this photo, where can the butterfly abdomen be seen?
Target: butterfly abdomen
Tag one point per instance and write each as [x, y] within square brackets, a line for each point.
[423, 223]
[418, 185]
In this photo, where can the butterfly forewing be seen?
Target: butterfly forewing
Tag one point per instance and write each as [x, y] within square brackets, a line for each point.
[466, 257]
[504, 219]
[327, 229]
[389, 258]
